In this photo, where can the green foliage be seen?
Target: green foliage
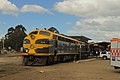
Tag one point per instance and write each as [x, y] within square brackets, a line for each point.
[52, 29]
[14, 37]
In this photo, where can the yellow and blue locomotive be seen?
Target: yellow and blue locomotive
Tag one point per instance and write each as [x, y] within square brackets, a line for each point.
[45, 47]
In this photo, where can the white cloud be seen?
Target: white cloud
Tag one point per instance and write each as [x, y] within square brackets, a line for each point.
[34, 8]
[101, 18]
[69, 23]
[6, 7]
[100, 28]
[90, 8]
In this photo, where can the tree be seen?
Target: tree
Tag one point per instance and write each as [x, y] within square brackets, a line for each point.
[11, 30]
[15, 37]
[52, 29]
[20, 27]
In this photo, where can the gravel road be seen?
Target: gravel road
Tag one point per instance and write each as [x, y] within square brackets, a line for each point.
[94, 69]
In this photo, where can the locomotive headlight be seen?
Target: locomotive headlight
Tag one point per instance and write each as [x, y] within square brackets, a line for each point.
[26, 50]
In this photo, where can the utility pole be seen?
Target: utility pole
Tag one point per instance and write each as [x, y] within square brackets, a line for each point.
[3, 38]
[80, 56]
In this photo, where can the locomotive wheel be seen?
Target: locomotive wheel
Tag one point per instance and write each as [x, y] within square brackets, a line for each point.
[55, 59]
[27, 61]
[41, 60]
[50, 60]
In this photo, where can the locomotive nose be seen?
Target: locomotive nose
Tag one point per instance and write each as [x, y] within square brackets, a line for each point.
[32, 46]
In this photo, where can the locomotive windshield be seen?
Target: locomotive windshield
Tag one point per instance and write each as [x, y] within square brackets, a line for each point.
[45, 33]
[34, 32]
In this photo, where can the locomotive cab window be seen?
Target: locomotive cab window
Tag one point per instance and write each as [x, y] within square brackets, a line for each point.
[45, 33]
[34, 32]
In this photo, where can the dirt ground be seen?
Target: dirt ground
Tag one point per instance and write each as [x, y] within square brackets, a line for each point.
[93, 69]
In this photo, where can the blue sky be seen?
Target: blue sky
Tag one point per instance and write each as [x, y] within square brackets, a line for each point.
[96, 19]
[33, 20]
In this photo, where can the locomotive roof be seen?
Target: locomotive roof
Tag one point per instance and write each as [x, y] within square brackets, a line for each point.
[57, 34]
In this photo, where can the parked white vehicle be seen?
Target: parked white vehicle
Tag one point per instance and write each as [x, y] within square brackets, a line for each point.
[104, 55]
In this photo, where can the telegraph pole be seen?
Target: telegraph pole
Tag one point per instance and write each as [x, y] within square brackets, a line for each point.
[3, 38]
